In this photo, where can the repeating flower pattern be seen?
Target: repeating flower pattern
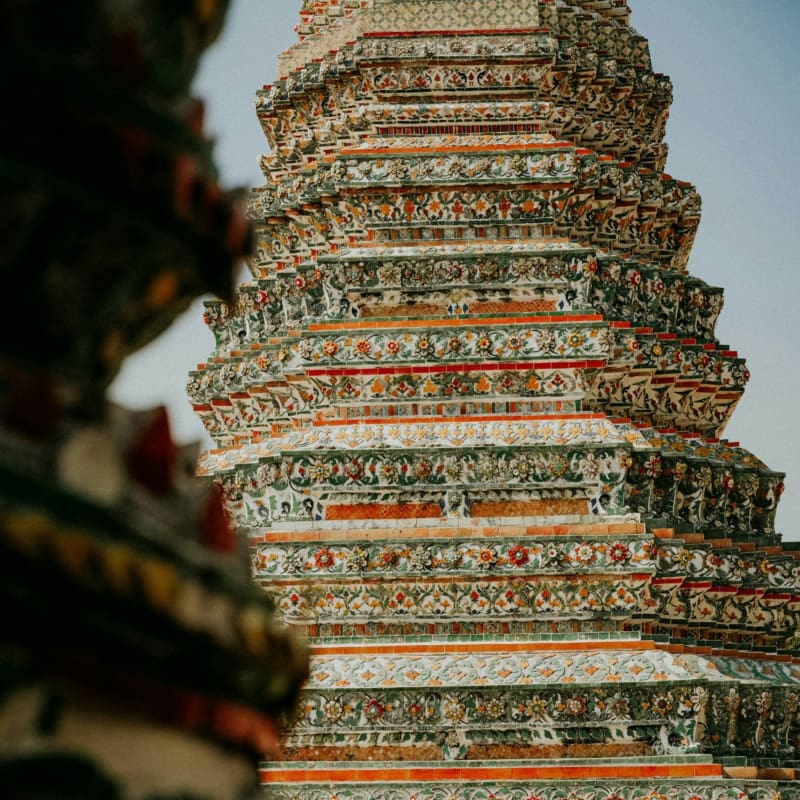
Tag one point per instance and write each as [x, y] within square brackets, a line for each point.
[444, 317]
[684, 790]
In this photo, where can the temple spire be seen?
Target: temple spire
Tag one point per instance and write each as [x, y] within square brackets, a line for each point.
[470, 409]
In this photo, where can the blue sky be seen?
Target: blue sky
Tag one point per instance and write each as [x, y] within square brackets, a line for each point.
[733, 132]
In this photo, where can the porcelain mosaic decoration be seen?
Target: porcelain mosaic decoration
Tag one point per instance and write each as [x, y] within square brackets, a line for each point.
[468, 409]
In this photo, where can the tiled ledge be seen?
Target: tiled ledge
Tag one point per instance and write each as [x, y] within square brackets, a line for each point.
[347, 530]
[612, 761]
[475, 645]
[582, 637]
[565, 769]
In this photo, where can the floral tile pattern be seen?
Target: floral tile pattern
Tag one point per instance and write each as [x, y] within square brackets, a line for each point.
[468, 411]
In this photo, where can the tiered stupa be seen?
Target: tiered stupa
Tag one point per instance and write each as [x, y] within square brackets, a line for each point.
[469, 410]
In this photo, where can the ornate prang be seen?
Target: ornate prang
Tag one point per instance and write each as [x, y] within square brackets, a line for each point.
[469, 411]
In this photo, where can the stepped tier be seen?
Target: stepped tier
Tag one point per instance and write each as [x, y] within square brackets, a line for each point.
[682, 780]
[468, 411]
[367, 578]
[507, 698]
[476, 187]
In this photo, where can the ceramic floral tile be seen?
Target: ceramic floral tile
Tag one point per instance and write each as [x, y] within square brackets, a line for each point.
[469, 411]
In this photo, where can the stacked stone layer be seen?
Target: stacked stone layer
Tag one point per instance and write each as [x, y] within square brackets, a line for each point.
[469, 408]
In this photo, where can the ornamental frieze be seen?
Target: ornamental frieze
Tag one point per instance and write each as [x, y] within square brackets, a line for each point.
[389, 161]
[679, 719]
[729, 566]
[547, 80]
[428, 385]
[426, 47]
[567, 467]
[385, 166]
[536, 203]
[604, 215]
[705, 483]
[725, 608]
[506, 342]
[661, 240]
[362, 498]
[534, 599]
[627, 351]
[458, 265]
[332, 288]
[575, 70]
[704, 497]
[526, 789]
[553, 717]
[459, 301]
[377, 80]
[535, 667]
[639, 393]
[661, 299]
[297, 125]
[584, 433]
[490, 557]
[298, 485]
[602, 26]
[697, 391]
[531, 392]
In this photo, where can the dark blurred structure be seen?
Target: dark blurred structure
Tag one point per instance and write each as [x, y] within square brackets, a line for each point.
[136, 659]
